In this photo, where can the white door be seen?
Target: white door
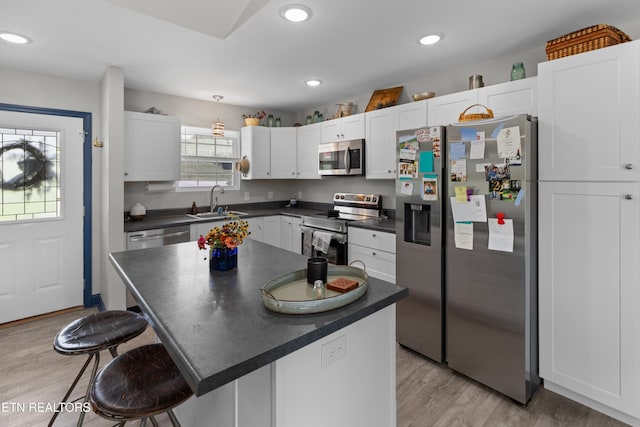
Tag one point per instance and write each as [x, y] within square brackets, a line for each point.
[41, 214]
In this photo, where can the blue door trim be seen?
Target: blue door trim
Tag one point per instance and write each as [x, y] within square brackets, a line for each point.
[89, 299]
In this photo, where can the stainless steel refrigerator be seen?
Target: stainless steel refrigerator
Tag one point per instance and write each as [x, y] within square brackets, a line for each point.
[491, 253]
[420, 240]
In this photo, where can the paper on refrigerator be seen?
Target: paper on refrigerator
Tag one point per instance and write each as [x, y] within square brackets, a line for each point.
[501, 235]
[474, 210]
[463, 235]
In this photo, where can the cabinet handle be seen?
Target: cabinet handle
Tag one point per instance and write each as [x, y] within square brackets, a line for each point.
[268, 173]
[628, 196]
[293, 173]
[337, 135]
[126, 174]
[373, 253]
[373, 235]
[628, 166]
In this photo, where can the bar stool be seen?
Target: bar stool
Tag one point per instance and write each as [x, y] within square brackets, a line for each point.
[139, 384]
[91, 334]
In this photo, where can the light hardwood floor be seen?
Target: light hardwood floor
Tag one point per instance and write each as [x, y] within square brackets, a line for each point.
[428, 394]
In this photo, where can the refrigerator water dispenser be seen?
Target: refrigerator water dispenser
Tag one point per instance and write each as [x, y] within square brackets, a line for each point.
[417, 224]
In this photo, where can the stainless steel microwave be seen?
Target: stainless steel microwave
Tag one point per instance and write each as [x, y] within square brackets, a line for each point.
[341, 158]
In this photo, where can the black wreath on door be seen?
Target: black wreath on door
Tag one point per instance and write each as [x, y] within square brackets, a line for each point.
[34, 166]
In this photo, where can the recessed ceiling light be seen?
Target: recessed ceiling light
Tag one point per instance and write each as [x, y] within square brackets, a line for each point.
[14, 38]
[295, 13]
[430, 39]
[313, 82]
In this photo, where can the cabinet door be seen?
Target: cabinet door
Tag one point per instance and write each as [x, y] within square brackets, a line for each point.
[283, 153]
[256, 146]
[290, 233]
[410, 116]
[297, 235]
[588, 116]
[308, 138]
[286, 232]
[255, 228]
[380, 148]
[331, 130]
[152, 147]
[516, 97]
[589, 237]
[271, 230]
[443, 110]
[344, 128]
[353, 127]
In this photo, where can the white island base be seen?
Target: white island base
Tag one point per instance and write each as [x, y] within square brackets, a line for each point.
[345, 379]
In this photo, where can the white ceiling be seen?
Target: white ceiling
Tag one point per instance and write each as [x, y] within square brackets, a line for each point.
[252, 57]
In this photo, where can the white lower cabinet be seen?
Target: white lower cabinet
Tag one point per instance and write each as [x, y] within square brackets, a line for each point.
[290, 233]
[589, 297]
[377, 250]
[255, 228]
[271, 230]
[202, 228]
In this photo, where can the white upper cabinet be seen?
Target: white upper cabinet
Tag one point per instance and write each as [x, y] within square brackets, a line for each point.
[308, 138]
[410, 116]
[380, 144]
[343, 129]
[516, 97]
[152, 147]
[589, 110]
[446, 109]
[255, 142]
[283, 153]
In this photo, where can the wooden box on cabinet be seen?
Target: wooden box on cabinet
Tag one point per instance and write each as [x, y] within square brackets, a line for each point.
[152, 147]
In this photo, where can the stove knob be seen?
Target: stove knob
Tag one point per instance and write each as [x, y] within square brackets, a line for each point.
[367, 199]
[337, 196]
[342, 197]
[373, 199]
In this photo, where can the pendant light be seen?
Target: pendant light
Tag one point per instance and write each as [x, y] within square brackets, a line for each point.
[218, 126]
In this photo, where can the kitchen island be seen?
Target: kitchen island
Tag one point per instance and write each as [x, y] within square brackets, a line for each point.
[252, 367]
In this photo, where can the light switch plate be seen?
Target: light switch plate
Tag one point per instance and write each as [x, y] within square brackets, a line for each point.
[270, 195]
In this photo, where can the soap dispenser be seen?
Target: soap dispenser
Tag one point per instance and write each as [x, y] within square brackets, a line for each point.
[194, 209]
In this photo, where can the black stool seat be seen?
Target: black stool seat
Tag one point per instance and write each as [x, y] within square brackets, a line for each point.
[140, 383]
[99, 331]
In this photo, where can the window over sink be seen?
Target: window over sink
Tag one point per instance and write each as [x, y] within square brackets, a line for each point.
[206, 160]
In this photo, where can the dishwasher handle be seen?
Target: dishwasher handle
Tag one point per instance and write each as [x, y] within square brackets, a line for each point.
[142, 237]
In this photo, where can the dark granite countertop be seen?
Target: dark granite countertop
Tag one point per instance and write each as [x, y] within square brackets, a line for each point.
[379, 224]
[174, 218]
[214, 325]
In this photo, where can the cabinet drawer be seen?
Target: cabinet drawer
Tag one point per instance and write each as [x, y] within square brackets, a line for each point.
[373, 239]
[380, 264]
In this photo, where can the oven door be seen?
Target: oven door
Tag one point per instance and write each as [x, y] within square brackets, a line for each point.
[341, 158]
[336, 252]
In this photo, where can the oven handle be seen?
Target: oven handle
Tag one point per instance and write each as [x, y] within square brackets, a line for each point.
[339, 237]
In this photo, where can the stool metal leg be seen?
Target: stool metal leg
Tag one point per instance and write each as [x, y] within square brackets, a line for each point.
[94, 371]
[173, 418]
[73, 385]
[154, 422]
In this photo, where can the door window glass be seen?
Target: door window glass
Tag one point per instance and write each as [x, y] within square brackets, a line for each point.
[29, 170]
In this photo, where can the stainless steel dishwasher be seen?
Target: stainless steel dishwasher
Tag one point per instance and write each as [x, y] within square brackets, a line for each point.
[152, 239]
[157, 237]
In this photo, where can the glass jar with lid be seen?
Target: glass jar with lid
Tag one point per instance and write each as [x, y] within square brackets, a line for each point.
[517, 71]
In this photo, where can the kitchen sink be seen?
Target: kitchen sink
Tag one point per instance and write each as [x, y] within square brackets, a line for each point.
[209, 215]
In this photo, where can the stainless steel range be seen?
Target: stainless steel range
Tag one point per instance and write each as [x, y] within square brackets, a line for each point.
[325, 234]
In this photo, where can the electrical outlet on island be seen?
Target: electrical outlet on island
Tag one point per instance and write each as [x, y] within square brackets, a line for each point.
[270, 195]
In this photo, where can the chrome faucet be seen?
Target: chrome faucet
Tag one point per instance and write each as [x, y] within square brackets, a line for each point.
[212, 206]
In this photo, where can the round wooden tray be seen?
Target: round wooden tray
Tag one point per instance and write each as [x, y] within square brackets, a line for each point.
[291, 294]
